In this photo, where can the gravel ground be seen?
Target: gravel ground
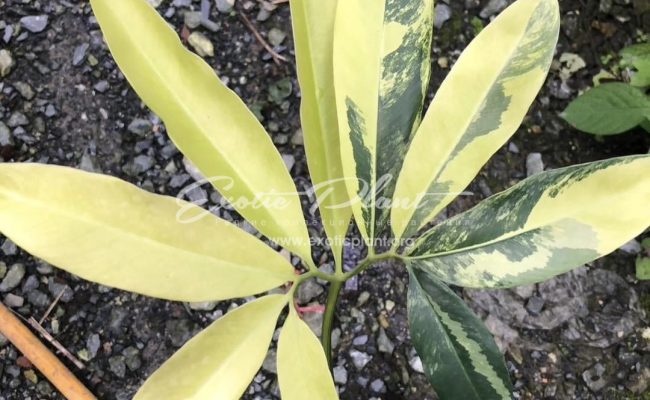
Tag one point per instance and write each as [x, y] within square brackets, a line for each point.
[582, 335]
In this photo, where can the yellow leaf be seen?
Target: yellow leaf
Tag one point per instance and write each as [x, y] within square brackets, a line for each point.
[111, 232]
[302, 367]
[477, 108]
[205, 119]
[313, 27]
[220, 362]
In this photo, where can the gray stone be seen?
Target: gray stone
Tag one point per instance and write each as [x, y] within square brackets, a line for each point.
[3, 269]
[17, 119]
[309, 290]
[6, 62]
[101, 86]
[535, 305]
[378, 386]
[204, 305]
[443, 14]
[534, 164]
[289, 160]
[50, 111]
[13, 301]
[493, 7]
[38, 298]
[132, 358]
[25, 90]
[30, 284]
[6, 138]
[79, 54]
[155, 3]
[631, 247]
[270, 364]
[201, 44]
[142, 164]
[12, 278]
[384, 344]
[140, 127]
[416, 364]
[360, 340]
[34, 23]
[315, 322]
[93, 343]
[192, 19]
[594, 377]
[225, 6]
[340, 375]
[178, 331]
[59, 289]
[297, 138]
[9, 248]
[276, 36]
[118, 366]
[360, 359]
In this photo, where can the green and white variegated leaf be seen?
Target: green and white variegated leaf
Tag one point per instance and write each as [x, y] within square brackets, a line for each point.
[313, 27]
[546, 225]
[458, 353]
[381, 73]
[477, 108]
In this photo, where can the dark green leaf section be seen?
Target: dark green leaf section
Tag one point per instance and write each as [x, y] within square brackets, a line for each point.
[505, 212]
[363, 160]
[533, 52]
[458, 353]
[404, 81]
[608, 109]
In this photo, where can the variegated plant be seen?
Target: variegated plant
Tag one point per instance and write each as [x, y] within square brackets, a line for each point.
[371, 154]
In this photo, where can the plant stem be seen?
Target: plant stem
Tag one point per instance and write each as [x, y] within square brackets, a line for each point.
[328, 318]
[336, 283]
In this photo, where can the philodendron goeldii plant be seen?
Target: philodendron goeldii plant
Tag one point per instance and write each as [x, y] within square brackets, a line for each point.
[363, 69]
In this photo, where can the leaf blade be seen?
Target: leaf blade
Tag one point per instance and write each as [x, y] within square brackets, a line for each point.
[379, 109]
[219, 362]
[608, 109]
[450, 339]
[206, 120]
[302, 366]
[313, 25]
[547, 224]
[127, 238]
[522, 40]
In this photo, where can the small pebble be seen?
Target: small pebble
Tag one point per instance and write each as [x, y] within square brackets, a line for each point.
[34, 23]
[79, 54]
[534, 164]
[201, 44]
[225, 6]
[12, 278]
[6, 62]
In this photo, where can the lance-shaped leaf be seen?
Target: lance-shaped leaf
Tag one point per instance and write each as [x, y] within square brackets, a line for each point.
[547, 224]
[477, 108]
[313, 28]
[222, 360]
[205, 119]
[458, 353]
[608, 109]
[111, 232]
[302, 366]
[381, 73]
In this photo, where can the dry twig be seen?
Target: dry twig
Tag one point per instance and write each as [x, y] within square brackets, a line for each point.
[276, 57]
[41, 357]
